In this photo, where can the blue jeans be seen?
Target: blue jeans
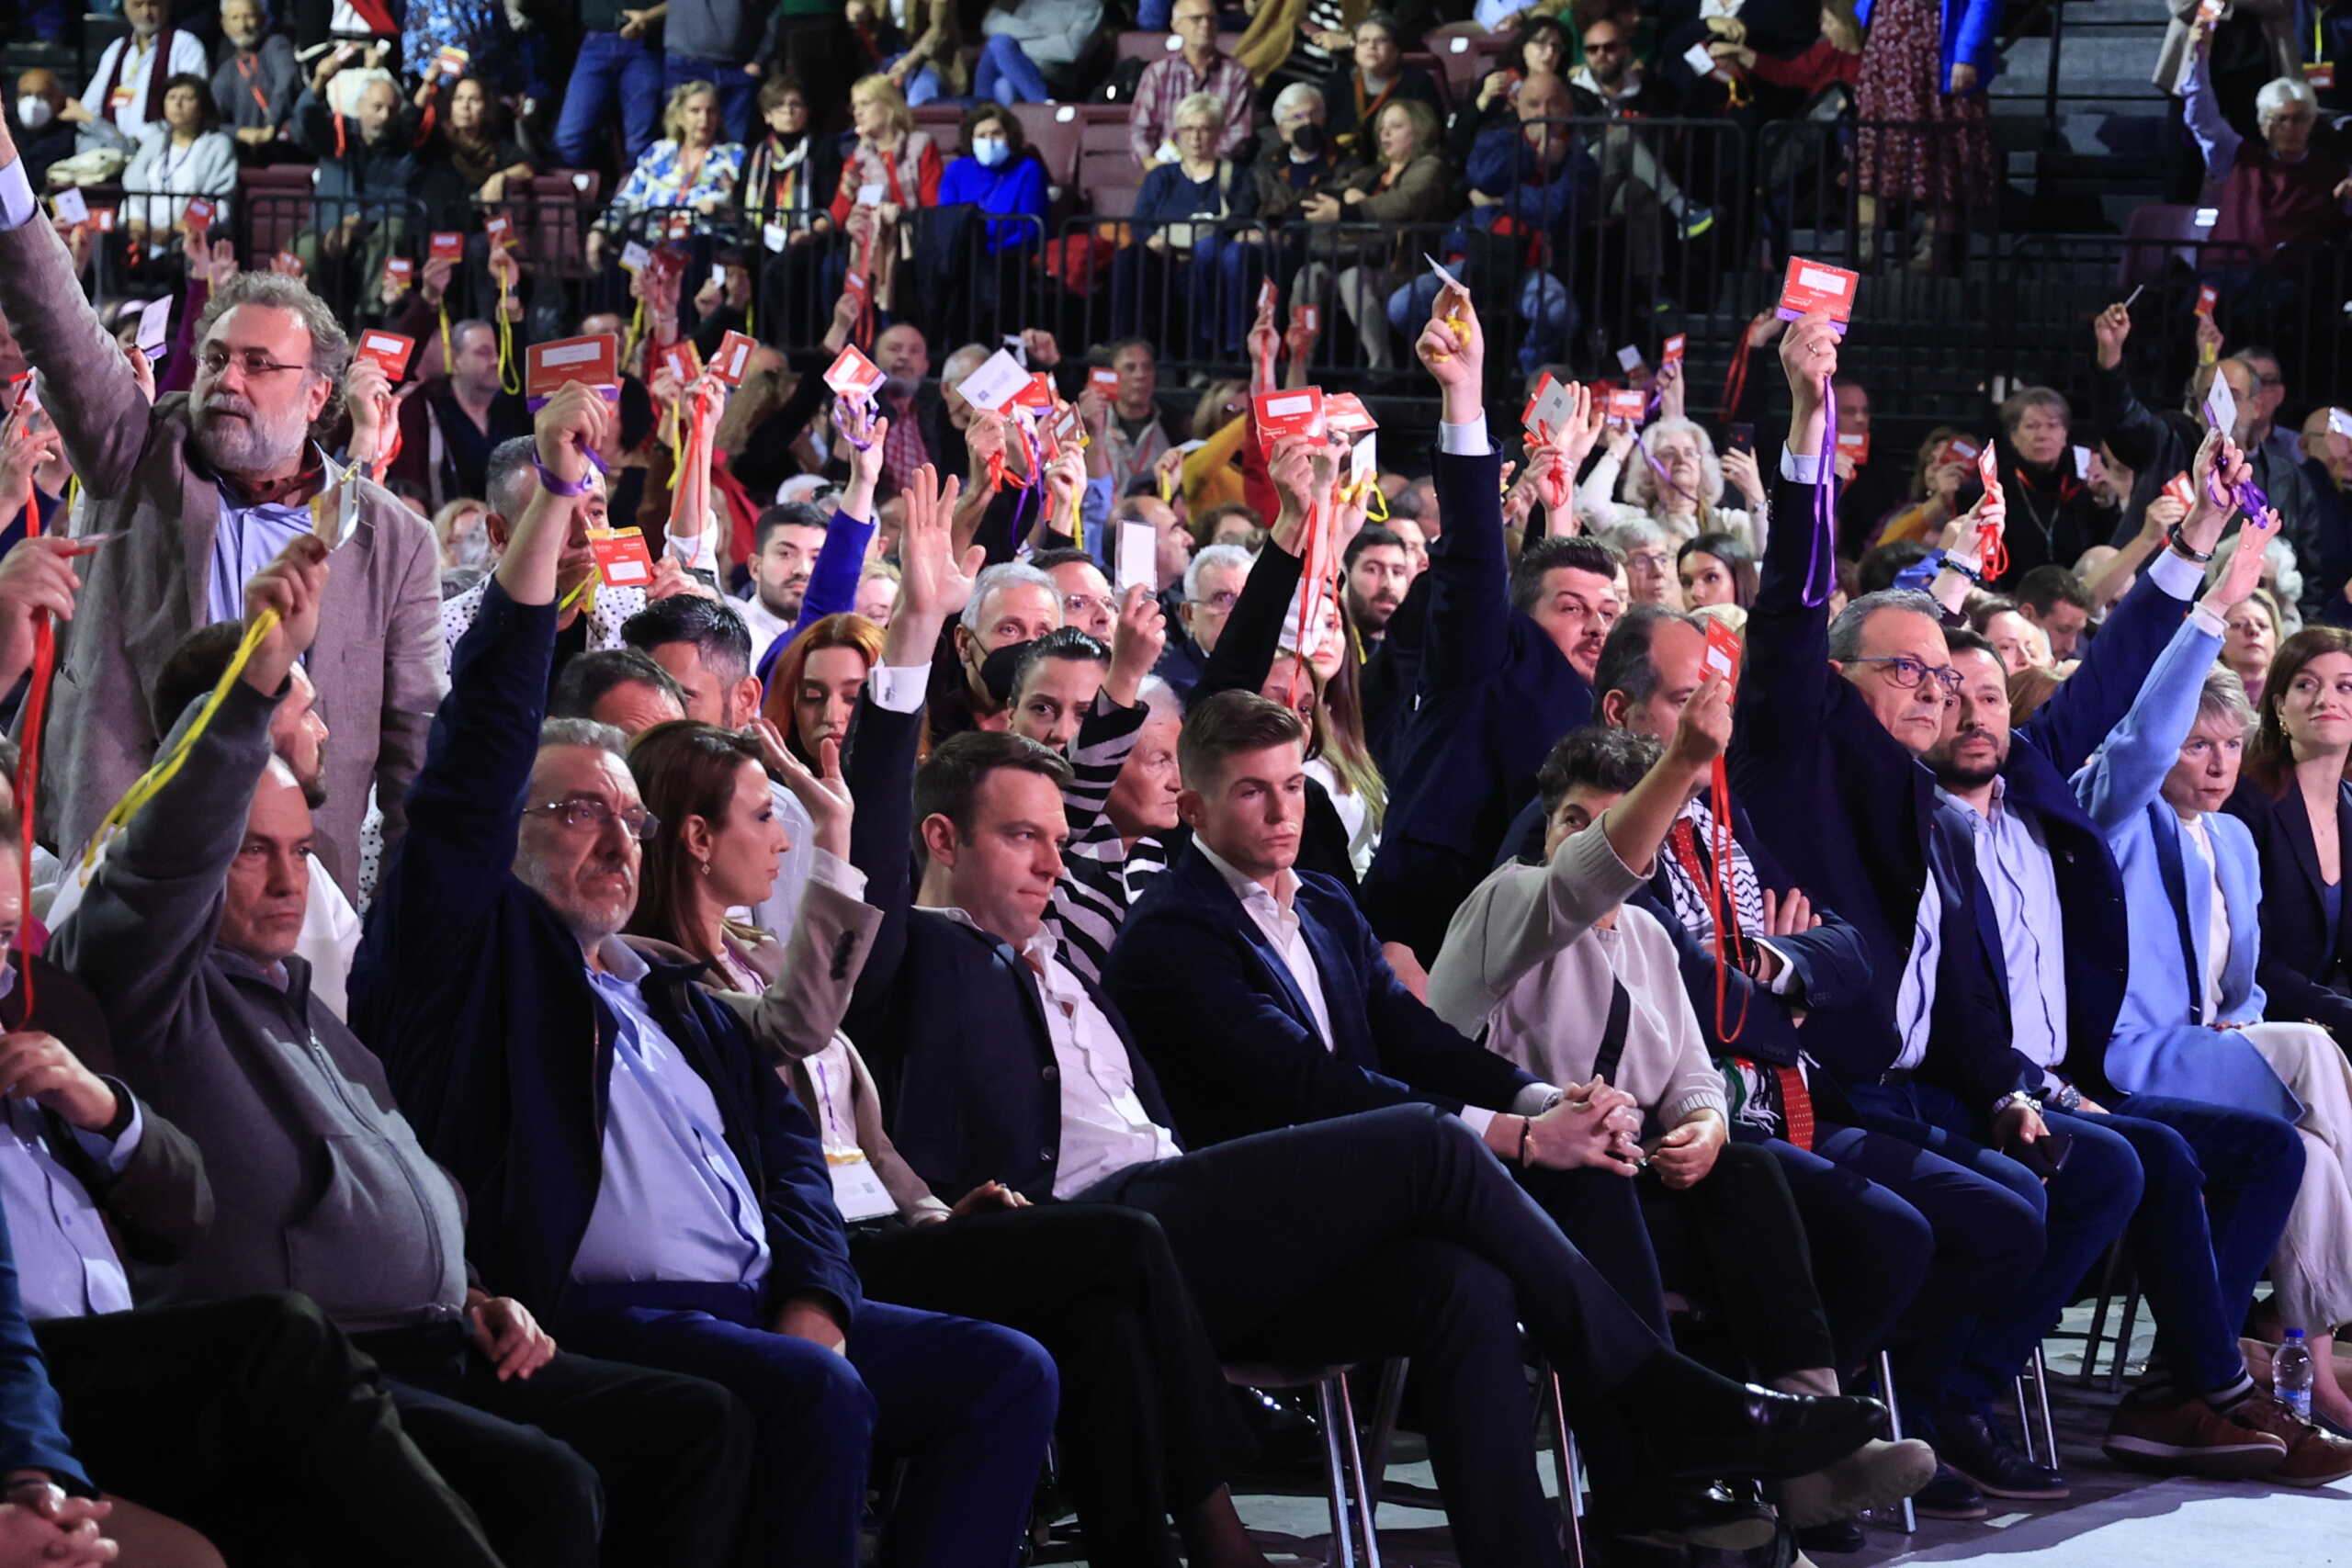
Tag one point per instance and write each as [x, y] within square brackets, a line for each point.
[610, 69]
[1552, 317]
[968, 1405]
[1222, 262]
[923, 86]
[1007, 74]
[739, 95]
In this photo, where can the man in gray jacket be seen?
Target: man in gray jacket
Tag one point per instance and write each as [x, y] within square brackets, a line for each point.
[323, 1188]
[202, 490]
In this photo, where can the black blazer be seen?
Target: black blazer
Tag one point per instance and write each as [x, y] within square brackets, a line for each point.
[1218, 1014]
[2304, 977]
[946, 1015]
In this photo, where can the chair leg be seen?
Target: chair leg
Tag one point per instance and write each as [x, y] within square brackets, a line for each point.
[2123, 1340]
[1364, 1484]
[1390, 1400]
[1327, 1410]
[1564, 1462]
[2025, 1419]
[1908, 1515]
[2042, 1402]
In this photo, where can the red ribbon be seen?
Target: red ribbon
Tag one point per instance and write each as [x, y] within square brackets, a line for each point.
[27, 779]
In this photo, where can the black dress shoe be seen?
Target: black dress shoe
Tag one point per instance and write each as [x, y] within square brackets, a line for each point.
[1713, 1515]
[1768, 1434]
[1951, 1495]
[1980, 1450]
[1838, 1535]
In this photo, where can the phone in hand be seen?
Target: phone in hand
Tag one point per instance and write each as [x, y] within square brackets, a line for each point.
[2045, 1156]
[1743, 437]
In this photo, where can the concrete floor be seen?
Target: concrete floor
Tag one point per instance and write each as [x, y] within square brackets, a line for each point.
[2114, 1519]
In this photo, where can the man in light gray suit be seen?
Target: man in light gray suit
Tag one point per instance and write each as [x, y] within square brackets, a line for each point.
[207, 487]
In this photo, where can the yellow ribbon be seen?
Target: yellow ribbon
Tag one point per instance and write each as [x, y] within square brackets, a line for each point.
[447, 354]
[161, 772]
[509, 376]
[636, 332]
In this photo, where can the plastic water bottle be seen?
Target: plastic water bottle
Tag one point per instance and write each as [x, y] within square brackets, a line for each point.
[2290, 1374]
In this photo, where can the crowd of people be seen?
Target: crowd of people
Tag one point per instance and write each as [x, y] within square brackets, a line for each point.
[1010, 912]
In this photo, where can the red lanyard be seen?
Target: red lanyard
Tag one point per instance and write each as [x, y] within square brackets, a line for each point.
[1723, 911]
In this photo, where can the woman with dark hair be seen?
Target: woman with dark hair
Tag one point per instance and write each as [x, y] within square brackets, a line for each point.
[1542, 46]
[994, 171]
[471, 153]
[2294, 797]
[1145, 1436]
[186, 154]
[1716, 569]
[813, 686]
[2053, 517]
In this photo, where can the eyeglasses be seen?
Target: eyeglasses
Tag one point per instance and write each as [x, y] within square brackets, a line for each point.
[1907, 672]
[577, 811]
[253, 362]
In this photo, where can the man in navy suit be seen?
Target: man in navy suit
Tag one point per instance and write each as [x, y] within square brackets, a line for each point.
[1391, 1233]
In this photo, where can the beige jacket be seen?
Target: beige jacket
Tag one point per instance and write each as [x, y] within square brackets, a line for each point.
[1524, 961]
[377, 663]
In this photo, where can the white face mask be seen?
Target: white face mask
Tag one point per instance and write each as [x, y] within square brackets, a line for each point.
[33, 113]
[989, 150]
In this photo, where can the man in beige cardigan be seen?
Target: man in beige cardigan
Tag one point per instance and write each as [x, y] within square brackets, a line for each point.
[203, 489]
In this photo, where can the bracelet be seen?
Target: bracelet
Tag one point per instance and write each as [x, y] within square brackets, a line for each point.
[1526, 1125]
[1967, 566]
[554, 486]
[2181, 546]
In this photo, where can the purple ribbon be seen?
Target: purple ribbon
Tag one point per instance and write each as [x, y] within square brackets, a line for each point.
[842, 424]
[1824, 504]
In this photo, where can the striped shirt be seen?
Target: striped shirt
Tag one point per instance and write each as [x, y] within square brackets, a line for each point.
[1102, 875]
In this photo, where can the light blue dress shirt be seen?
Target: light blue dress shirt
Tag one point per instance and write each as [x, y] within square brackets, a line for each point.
[675, 1204]
[2013, 863]
[247, 539]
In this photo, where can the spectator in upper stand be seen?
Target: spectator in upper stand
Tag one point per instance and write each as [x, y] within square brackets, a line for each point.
[1295, 158]
[479, 28]
[257, 81]
[51, 125]
[1541, 47]
[2054, 601]
[471, 155]
[1539, 176]
[2275, 191]
[1401, 179]
[1212, 586]
[925, 66]
[127, 89]
[1187, 224]
[995, 170]
[720, 44]
[1297, 40]
[183, 155]
[367, 166]
[1612, 83]
[1199, 67]
[794, 171]
[2052, 515]
[618, 67]
[206, 488]
[690, 167]
[1033, 48]
[1377, 78]
[1137, 437]
[892, 170]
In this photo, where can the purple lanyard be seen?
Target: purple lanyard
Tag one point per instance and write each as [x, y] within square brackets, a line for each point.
[1824, 504]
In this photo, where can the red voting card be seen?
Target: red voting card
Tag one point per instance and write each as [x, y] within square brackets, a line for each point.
[1854, 447]
[1289, 414]
[1267, 294]
[447, 245]
[1959, 451]
[102, 220]
[198, 215]
[1670, 352]
[2207, 297]
[2180, 489]
[1103, 380]
[1344, 414]
[859, 289]
[1721, 657]
[499, 227]
[855, 377]
[1065, 431]
[1548, 411]
[680, 226]
[1816, 286]
[595, 360]
[622, 559]
[734, 358]
[1626, 404]
[683, 360]
[1310, 317]
[1037, 394]
[2319, 74]
[389, 350]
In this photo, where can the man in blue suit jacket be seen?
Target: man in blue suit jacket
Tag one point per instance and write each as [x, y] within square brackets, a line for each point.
[658, 1192]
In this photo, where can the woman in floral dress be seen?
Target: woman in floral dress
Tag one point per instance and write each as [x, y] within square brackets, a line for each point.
[1926, 64]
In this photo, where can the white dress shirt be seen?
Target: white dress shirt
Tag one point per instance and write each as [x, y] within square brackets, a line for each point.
[1274, 914]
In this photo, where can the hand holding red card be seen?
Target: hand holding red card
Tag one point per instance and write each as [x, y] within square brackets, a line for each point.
[1812, 286]
[622, 559]
[1289, 414]
[734, 358]
[389, 350]
[595, 360]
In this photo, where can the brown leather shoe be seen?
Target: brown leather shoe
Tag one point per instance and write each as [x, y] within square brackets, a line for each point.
[2188, 1438]
[2313, 1458]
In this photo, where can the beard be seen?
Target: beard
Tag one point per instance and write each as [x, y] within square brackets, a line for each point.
[591, 920]
[254, 444]
[785, 602]
[1955, 774]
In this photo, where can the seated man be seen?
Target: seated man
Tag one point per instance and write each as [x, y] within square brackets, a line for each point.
[623, 1148]
[619, 686]
[186, 938]
[254, 84]
[367, 170]
[1389, 1234]
[127, 88]
[1194, 64]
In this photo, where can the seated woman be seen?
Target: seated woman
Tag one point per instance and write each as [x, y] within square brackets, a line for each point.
[689, 167]
[1541, 47]
[1377, 77]
[1936, 479]
[186, 155]
[2192, 1024]
[2053, 516]
[812, 687]
[888, 172]
[1032, 49]
[1403, 181]
[1295, 157]
[924, 67]
[995, 170]
[2275, 191]
[790, 177]
[2250, 642]
[470, 155]
[1716, 569]
[1550, 965]
[1183, 244]
[1677, 482]
[1142, 1435]
[2295, 800]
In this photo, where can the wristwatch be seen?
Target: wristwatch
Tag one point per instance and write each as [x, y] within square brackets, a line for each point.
[2015, 1096]
[2067, 1099]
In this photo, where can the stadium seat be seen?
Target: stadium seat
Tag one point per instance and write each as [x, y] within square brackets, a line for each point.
[273, 206]
[2156, 235]
[1147, 45]
[1057, 133]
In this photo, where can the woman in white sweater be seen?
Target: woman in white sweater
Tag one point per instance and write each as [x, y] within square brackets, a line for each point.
[1574, 986]
[1679, 485]
[186, 154]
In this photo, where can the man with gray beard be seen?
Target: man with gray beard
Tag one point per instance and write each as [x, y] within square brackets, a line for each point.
[204, 488]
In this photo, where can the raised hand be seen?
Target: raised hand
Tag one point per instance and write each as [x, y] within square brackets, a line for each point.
[824, 794]
[2111, 327]
[1703, 732]
[368, 398]
[2244, 573]
[1739, 467]
[1136, 644]
[292, 586]
[1454, 347]
[931, 583]
[1809, 359]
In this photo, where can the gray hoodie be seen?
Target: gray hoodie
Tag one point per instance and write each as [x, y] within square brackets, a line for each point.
[321, 1186]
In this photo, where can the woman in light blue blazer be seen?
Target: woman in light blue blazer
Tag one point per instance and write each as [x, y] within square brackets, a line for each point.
[2191, 1023]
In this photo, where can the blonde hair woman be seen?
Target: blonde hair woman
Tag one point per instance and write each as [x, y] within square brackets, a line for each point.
[892, 170]
[690, 167]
